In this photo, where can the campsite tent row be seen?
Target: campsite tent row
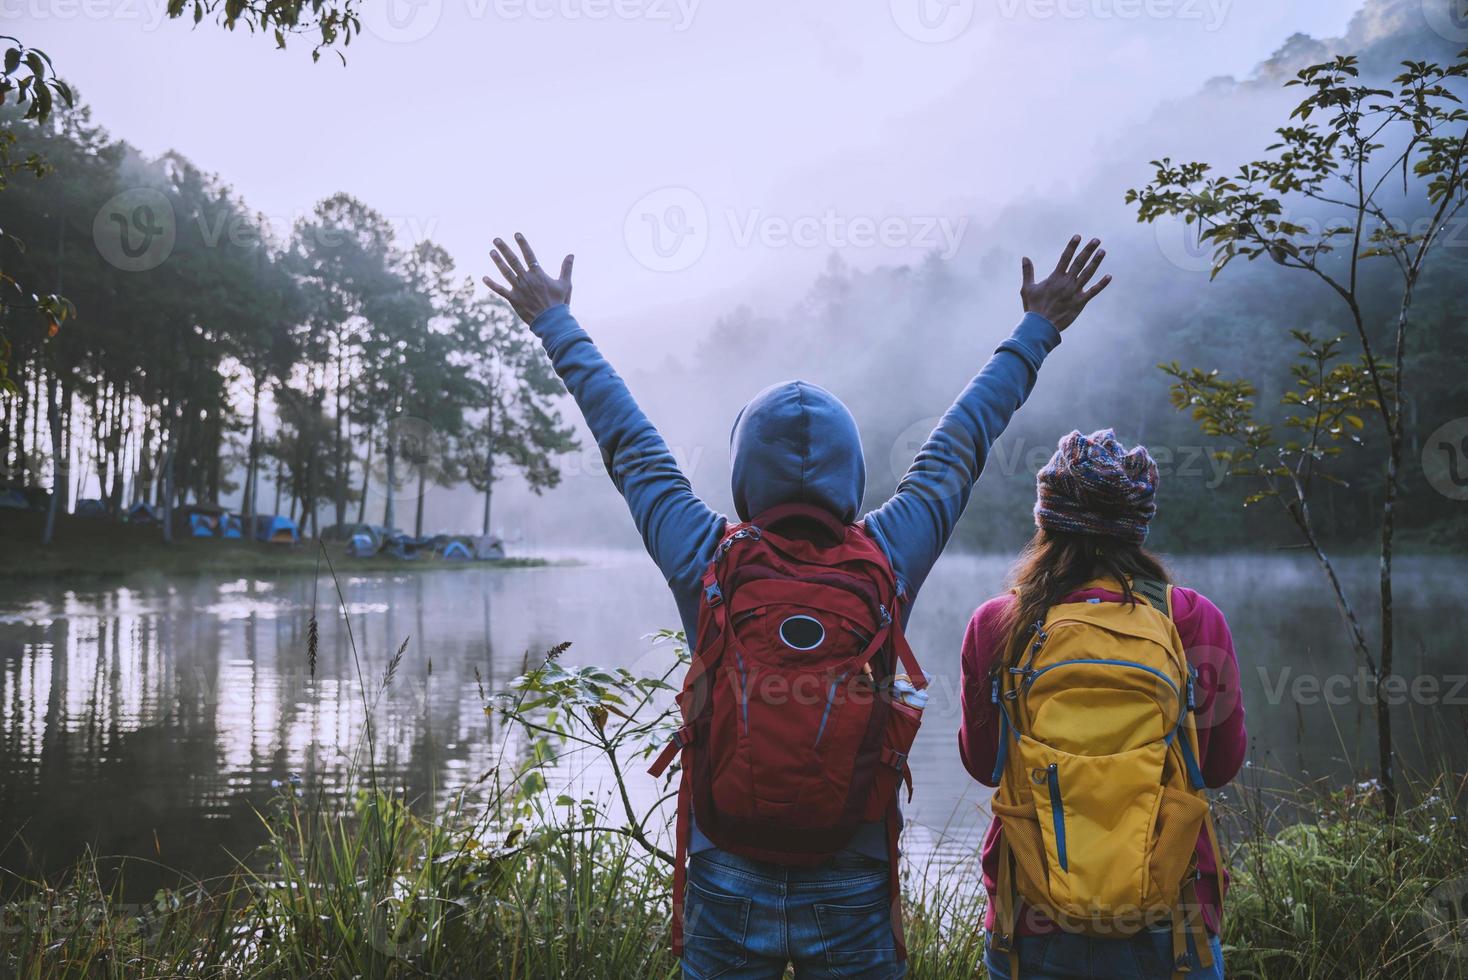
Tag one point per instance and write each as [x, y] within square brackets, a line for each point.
[209, 521]
[368, 541]
[201, 521]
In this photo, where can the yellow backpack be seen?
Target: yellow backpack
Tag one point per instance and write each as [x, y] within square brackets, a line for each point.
[1100, 796]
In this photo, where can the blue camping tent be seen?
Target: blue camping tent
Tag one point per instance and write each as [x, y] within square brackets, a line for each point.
[230, 526]
[276, 529]
[90, 507]
[406, 548]
[361, 546]
[142, 513]
[456, 551]
[198, 520]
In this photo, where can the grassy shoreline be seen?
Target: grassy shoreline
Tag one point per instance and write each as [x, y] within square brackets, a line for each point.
[373, 890]
[93, 551]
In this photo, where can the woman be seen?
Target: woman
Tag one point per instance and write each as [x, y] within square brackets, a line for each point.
[1095, 503]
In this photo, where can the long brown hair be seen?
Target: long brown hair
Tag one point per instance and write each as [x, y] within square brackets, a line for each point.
[1057, 563]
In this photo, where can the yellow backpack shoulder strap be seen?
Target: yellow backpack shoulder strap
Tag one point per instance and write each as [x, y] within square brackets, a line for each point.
[1188, 917]
[1158, 594]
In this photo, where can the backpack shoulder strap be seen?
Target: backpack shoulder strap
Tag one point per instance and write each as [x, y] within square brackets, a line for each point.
[1158, 594]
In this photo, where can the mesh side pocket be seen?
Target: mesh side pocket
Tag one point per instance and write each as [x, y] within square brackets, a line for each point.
[1179, 821]
[1022, 830]
[902, 729]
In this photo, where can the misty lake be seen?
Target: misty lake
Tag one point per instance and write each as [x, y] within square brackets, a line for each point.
[149, 719]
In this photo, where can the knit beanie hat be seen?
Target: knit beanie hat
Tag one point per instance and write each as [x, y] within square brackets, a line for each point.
[1092, 485]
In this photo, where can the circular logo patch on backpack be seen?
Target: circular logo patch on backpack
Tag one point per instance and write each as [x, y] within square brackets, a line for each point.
[802, 632]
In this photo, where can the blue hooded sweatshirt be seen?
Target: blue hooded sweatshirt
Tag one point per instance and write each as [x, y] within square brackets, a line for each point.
[795, 442]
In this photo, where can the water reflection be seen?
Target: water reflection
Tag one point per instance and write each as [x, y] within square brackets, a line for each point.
[150, 719]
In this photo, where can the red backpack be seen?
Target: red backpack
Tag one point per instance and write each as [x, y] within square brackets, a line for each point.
[792, 733]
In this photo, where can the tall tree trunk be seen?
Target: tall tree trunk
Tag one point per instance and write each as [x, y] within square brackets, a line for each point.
[215, 473]
[35, 452]
[22, 410]
[118, 449]
[59, 473]
[67, 442]
[17, 441]
[1384, 748]
[339, 475]
[252, 463]
[422, 492]
[141, 477]
[101, 427]
[6, 416]
[392, 475]
[366, 476]
[166, 493]
[488, 486]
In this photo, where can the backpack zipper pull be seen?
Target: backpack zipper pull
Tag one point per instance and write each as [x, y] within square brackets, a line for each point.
[1040, 637]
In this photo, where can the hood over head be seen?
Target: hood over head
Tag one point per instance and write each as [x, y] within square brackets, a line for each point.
[796, 443]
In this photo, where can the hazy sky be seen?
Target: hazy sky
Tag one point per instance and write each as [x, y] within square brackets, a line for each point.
[685, 149]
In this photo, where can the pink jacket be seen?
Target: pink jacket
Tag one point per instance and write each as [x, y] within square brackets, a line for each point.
[1222, 741]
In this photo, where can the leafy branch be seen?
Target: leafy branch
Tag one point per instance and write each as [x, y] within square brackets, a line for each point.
[1323, 419]
[617, 714]
[1346, 141]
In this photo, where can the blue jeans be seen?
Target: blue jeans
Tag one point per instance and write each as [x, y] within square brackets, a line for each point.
[745, 920]
[1066, 956]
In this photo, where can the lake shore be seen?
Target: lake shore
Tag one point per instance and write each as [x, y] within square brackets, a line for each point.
[93, 550]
